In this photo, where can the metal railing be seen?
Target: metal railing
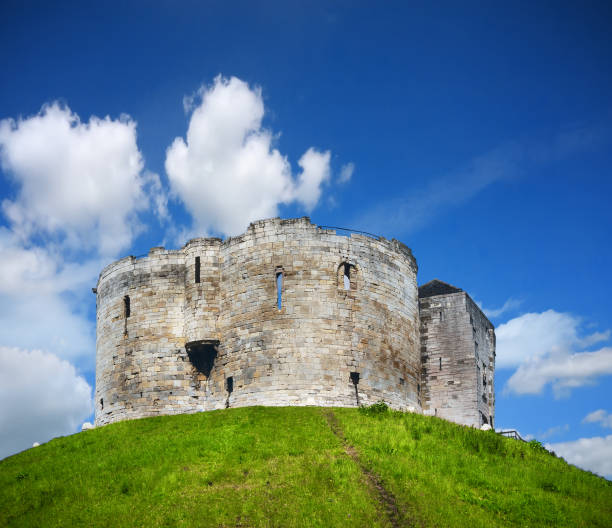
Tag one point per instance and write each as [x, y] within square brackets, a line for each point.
[371, 235]
[511, 433]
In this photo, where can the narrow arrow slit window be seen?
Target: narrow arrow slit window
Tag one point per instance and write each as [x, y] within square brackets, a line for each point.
[279, 289]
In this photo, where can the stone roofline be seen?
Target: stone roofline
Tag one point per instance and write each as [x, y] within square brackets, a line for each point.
[460, 292]
[255, 228]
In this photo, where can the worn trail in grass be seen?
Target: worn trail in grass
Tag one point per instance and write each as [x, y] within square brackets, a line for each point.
[384, 496]
[457, 476]
[295, 467]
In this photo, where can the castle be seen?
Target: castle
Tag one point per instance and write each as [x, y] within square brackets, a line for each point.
[288, 313]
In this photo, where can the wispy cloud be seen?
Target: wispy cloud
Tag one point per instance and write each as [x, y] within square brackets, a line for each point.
[413, 208]
[346, 172]
[599, 416]
[553, 431]
[510, 305]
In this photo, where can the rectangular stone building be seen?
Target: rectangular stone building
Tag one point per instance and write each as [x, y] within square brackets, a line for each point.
[457, 354]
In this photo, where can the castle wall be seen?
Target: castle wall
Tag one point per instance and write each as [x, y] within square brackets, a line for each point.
[484, 343]
[302, 354]
[141, 362]
[202, 297]
[458, 358]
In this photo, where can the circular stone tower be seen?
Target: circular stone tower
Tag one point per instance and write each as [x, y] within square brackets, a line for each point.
[285, 314]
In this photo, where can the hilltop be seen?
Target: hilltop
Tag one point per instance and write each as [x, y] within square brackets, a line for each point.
[296, 466]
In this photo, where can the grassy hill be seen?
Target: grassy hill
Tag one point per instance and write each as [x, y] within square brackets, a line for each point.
[296, 467]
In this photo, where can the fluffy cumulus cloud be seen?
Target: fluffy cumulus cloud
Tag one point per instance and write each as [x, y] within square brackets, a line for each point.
[599, 416]
[547, 348]
[77, 190]
[36, 290]
[41, 397]
[227, 172]
[593, 454]
[563, 371]
[78, 183]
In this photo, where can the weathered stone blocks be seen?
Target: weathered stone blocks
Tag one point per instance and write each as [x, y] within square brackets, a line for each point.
[226, 292]
[287, 314]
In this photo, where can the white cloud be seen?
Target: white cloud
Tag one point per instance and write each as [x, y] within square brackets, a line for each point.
[600, 416]
[508, 306]
[593, 454]
[546, 348]
[36, 290]
[227, 172]
[315, 171]
[554, 431]
[346, 172]
[563, 371]
[78, 183]
[534, 335]
[41, 397]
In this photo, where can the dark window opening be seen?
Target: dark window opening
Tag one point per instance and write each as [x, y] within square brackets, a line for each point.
[197, 270]
[491, 421]
[402, 381]
[440, 360]
[279, 289]
[202, 355]
[102, 403]
[229, 384]
[126, 306]
[441, 316]
[347, 276]
[419, 388]
[354, 376]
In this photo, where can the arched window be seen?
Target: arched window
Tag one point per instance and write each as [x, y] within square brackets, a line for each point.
[347, 275]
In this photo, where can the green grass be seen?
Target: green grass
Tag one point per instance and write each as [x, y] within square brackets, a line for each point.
[286, 467]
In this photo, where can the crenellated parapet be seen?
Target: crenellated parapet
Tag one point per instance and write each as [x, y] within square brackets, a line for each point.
[285, 314]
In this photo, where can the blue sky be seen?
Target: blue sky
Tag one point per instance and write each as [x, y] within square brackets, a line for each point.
[479, 135]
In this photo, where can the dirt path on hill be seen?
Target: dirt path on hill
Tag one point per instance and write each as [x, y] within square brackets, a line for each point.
[382, 495]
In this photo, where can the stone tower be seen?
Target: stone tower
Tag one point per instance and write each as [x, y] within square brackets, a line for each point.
[285, 314]
[458, 356]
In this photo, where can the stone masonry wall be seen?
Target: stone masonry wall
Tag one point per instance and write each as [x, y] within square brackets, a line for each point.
[301, 354]
[458, 358]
